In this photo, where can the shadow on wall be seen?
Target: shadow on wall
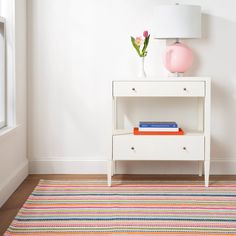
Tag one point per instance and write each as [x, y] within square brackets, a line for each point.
[216, 58]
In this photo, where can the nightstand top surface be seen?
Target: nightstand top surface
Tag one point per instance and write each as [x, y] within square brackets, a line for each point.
[166, 79]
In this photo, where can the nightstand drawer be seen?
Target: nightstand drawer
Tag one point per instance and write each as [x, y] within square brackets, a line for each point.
[153, 147]
[159, 89]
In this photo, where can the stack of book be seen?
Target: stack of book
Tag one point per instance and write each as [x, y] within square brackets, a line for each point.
[158, 128]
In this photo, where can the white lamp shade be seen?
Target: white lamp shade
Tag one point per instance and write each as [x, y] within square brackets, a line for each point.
[177, 21]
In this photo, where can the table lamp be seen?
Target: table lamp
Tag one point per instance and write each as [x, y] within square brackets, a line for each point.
[177, 22]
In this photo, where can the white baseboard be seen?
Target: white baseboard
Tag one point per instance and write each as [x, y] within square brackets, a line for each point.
[218, 167]
[58, 166]
[66, 166]
[13, 182]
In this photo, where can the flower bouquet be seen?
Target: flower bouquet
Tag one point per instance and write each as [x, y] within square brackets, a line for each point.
[140, 44]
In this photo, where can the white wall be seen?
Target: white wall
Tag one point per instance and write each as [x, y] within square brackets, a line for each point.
[13, 162]
[76, 48]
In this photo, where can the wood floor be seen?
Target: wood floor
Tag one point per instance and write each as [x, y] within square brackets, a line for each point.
[9, 210]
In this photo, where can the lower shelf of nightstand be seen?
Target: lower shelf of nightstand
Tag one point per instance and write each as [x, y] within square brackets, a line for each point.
[130, 132]
[188, 147]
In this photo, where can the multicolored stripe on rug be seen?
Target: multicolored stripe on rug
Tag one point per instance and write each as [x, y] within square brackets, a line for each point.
[137, 208]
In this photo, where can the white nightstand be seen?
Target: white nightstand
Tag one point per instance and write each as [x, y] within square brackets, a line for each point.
[185, 100]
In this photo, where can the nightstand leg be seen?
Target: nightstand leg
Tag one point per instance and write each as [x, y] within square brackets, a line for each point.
[207, 172]
[109, 173]
[200, 167]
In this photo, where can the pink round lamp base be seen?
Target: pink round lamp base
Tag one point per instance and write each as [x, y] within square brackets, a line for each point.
[178, 58]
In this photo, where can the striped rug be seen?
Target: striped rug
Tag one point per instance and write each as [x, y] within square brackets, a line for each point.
[136, 208]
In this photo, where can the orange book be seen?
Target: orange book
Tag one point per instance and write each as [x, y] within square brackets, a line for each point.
[137, 132]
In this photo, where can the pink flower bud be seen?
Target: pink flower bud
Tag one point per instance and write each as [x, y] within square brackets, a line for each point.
[145, 34]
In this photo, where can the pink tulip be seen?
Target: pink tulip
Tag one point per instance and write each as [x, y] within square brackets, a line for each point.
[145, 34]
[138, 41]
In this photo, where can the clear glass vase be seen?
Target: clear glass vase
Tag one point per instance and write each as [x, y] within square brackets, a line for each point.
[142, 73]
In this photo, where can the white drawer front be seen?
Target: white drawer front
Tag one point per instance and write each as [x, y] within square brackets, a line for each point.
[158, 88]
[153, 147]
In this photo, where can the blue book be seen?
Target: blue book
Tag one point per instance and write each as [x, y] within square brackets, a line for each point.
[161, 124]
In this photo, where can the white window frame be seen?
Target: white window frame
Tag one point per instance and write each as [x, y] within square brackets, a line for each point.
[3, 121]
[7, 11]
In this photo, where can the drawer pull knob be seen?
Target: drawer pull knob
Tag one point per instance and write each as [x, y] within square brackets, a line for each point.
[184, 148]
[185, 89]
[132, 148]
[134, 89]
